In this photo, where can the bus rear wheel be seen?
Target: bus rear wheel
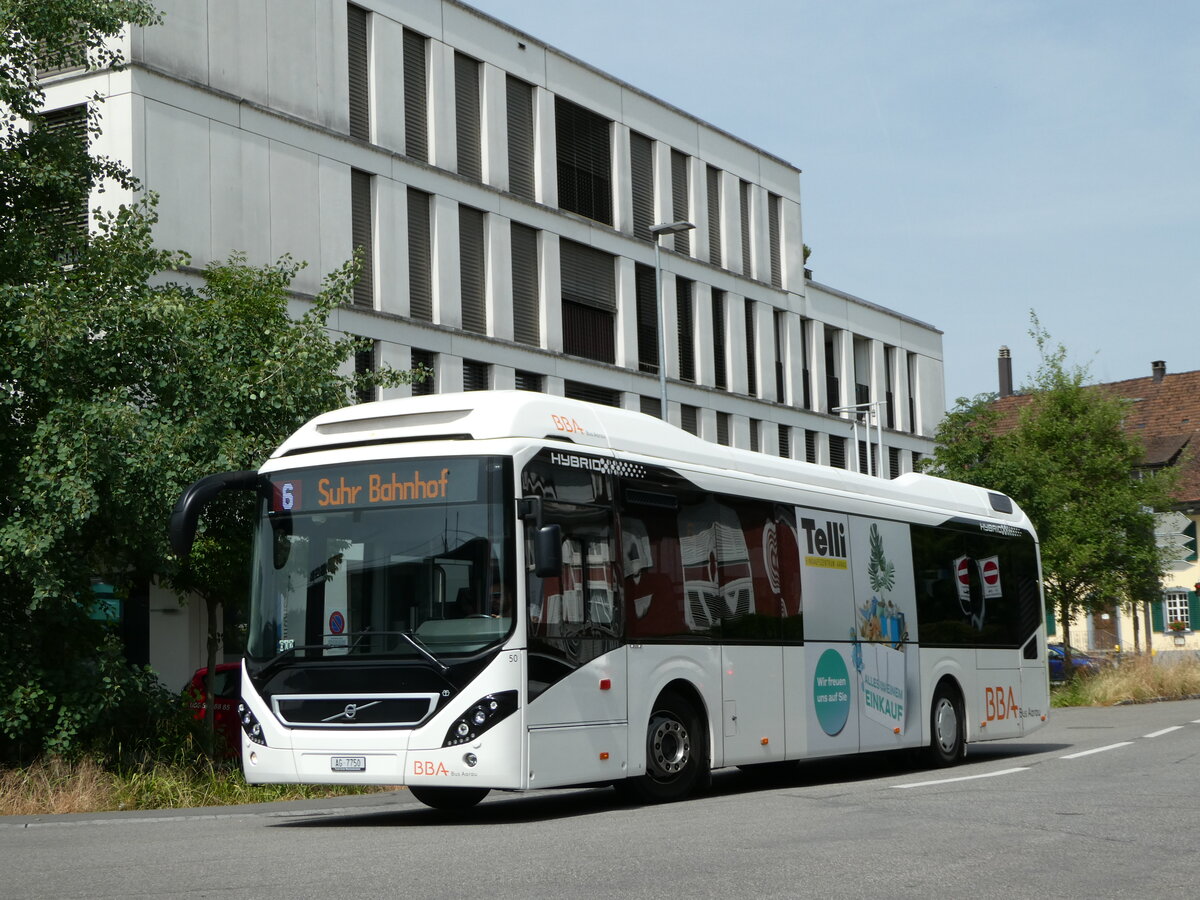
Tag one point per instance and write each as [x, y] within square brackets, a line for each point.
[453, 799]
[946, 742]
[676, 753]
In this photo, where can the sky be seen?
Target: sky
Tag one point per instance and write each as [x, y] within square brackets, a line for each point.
[965, 162]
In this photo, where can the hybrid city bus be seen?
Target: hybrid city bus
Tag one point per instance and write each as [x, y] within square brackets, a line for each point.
[509, 590]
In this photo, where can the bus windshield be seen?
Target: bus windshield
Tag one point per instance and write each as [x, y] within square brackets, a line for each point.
[392, 559]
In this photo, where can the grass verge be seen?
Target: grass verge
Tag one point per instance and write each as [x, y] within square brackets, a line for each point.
[1135, 680]
[57, 786]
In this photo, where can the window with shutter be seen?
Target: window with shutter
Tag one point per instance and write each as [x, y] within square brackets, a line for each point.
[526, 299]
[650, 406]
[785, 441]
[471, 261]
[755, 427]
[589, 301]
[780, 325]
[718, 330]
[416, 96]
[577, 390]
[359, 68]
[688, 416]
[520, 137]
[894, 462]
[837, 452]
[420, 256]
[641, 163]
[529, 381]
[475, 375]
[773, 204]
[751, 351]
[744, 197]
[584, 163]
[361, 237]
[680, 199]
[365, 362]
[423, 359]
[466, 116]
[714, 216]
[723, 429]
[810, 446]
[687, 330]
[647, 318]
[69, 206]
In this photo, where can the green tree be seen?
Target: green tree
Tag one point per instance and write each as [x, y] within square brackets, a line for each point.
[116, 393]
[1066, 459]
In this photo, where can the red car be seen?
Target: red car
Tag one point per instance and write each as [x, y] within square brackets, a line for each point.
[228, 688]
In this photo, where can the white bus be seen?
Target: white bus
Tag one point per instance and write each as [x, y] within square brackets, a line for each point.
[509, 590]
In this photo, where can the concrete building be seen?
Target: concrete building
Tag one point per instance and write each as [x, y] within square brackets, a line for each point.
[505, 196]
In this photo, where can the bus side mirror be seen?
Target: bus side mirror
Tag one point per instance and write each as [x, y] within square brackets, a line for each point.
[182, 529]
[547, 551]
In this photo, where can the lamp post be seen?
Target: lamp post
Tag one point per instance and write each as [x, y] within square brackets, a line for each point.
[658, 231]
[867, 410]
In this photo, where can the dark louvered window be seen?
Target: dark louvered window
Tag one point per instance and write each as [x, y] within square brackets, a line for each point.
[785, 441]
[894, 461]
[416, 96]
[584, 163]
[773, 204]
[744, 196]
[714, 216]
[804, 332]
[833, 390]
[475, 375]
[577, 390]
[365, 362]
[357, 57]
[471, 259]
[837, 452]
[520, 137]
[723, 429]
[641, 164]
[780, 323]
[529, 381]
[589, 302]
[61, 57]
[718, 330]
[810, 446]
[688, 416]
[755, 427]
[420, 257]
[361, 237]
[687, 329]
[863, 451]
[647, 318]
[423, 359]
[466, 116]
[751, 351]
[679, 199]
[650, 406]
[69, 208]
[526, 299]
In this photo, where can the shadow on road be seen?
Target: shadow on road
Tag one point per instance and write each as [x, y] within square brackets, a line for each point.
[501, 808]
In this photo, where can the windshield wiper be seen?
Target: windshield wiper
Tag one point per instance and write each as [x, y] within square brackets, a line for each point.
[407, 635]
[275, 660]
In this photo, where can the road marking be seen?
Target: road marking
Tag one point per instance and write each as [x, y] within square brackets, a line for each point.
[963, 778]
[1164, 731]
[1196, 721]
[1096, 750]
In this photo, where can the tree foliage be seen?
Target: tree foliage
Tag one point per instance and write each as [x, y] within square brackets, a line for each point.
[116, 392]
[1071, 466]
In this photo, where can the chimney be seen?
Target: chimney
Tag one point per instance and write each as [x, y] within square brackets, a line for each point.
[1005, 372]
[1158, 368]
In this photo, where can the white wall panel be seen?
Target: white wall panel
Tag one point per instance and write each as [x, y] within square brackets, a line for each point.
[177, 168]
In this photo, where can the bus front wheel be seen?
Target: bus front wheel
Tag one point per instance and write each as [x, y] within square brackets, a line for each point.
[676, 752]
[453, 799]
[946, 744]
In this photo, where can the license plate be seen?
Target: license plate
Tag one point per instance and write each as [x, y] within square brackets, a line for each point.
[348, 763]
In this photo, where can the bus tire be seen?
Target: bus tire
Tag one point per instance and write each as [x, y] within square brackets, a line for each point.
[676, 753]
[452, 799]
[946, 724]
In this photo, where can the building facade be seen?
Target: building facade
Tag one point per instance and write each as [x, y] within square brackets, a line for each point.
[505, 197]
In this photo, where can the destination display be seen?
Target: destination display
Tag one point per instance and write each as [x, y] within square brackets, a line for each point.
[385, 483]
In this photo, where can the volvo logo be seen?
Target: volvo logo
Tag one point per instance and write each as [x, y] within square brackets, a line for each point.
[351, 711]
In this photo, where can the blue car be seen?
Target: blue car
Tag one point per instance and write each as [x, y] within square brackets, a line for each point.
[1081, 663]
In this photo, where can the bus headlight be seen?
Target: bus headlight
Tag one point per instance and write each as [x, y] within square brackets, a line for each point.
[250, 724]
[480, 716]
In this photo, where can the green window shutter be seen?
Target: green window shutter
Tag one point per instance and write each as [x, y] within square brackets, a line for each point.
[1194, 610]
[1051, 625]
[1156, 615]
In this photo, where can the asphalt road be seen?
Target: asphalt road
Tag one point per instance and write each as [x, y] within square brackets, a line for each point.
[1100, 803]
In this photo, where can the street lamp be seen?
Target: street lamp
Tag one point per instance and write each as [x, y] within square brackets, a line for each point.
[867, 410]
[658, 231]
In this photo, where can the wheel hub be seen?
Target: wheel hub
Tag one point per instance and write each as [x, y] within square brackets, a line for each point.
[670, 747]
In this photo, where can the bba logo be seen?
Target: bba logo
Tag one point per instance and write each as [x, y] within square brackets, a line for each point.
[429, 767]
[999, 703]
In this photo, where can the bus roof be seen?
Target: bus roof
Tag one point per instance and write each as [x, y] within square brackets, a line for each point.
[491, 415]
